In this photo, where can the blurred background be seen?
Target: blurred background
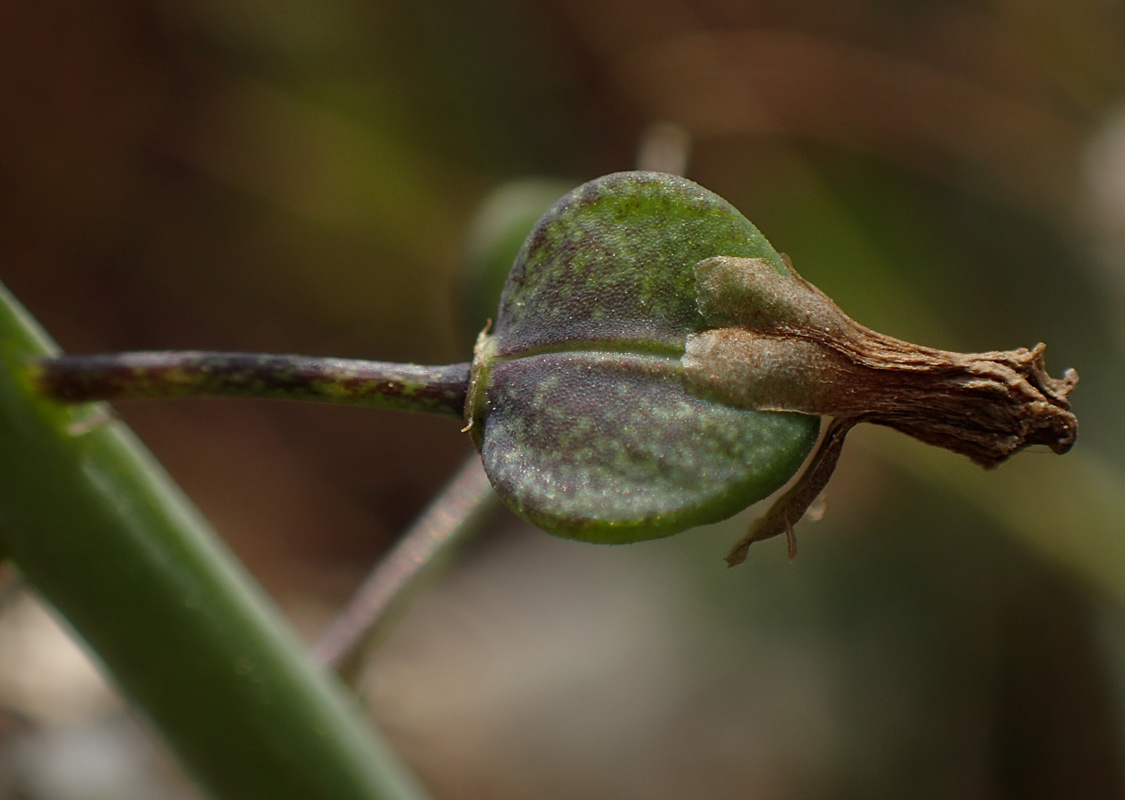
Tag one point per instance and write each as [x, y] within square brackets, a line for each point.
[304, 176]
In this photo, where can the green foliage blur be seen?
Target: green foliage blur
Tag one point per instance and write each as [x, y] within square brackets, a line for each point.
[302, 176]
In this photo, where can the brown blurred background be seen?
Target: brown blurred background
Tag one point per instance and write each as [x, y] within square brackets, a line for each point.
[301, 176]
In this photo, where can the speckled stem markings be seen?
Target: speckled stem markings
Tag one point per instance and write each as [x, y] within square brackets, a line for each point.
[136, 376]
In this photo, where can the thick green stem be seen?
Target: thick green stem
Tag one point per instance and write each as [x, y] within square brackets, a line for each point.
[97, 527]
[136, 376]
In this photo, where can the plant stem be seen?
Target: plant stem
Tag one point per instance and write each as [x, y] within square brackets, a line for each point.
[144, 375]
[98, 528]
[463, 508]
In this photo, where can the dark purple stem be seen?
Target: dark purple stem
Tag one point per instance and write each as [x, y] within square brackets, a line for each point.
[136, 376]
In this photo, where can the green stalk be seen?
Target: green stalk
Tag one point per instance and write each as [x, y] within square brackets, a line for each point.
[97, 527]
[137, 376]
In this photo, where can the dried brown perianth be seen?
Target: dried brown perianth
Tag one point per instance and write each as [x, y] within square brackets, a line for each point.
[777, 343]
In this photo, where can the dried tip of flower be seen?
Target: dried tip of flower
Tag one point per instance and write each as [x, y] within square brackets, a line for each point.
[777, 343]
[780, 344]
[1059, 426]
[1034, 407]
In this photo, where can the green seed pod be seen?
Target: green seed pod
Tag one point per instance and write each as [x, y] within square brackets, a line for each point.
[657, 365]
[580, 404]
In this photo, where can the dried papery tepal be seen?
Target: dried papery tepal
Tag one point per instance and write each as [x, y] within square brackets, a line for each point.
[657, 365]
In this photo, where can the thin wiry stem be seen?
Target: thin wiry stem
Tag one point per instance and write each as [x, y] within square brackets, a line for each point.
[145, 375]
[463, 508]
